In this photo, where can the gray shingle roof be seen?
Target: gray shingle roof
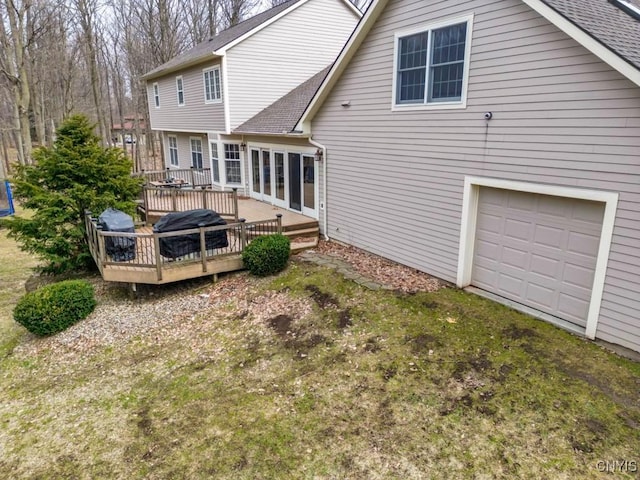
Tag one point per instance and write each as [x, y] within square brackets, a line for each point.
[283, 115]
[206, 48]
[604, 21]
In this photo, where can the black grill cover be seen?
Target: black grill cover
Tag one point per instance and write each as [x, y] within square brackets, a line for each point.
[174, 247]
[121, 249]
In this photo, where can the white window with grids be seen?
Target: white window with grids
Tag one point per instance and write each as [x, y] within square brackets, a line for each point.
[212, 88]
[180, 91]
[431, 65]
[196, 152]
[173, 151]
[232, 163]
[156, 95]
[215, 162]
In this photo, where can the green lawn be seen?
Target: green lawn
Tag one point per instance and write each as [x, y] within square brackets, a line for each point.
[307, 375]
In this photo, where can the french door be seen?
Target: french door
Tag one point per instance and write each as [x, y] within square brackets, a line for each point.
[303, 188]
[286, 180]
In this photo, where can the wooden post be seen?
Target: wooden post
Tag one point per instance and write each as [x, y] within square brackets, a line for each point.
[173, 200]
[156, 247]
[235, 204]
[192, 178]
[205, 204]
[203, 250]
[102, 253]
[243, 234]
[279, 219]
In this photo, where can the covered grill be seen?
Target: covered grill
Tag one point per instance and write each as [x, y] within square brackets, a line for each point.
[120, 249]
[182, 245]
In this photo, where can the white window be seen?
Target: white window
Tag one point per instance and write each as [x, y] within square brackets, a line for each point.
[180, 90]
[232, 163]
[196, 152]
[173, 151]
[215, 162]
[156, 95]
[212, 85]
[432, 64]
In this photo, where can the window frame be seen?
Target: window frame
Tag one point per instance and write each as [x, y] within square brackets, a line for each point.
[225, 159]
[156, 95]
[172, 149]
[180, 90]
[215, 162]
[201, 152]
[211, 70]
[429, 27]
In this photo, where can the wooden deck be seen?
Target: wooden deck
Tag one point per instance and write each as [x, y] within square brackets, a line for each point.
[145, 260]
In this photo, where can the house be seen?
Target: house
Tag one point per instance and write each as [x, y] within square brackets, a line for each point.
[198, 99]
[494, 144]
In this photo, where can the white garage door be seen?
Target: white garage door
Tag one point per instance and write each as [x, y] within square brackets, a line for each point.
[538, 250]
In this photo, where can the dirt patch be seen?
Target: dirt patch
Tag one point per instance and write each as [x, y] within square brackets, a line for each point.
[514, 332]
[423, 342]
[281, 324]
[344, 319]
[144, 422]
[323, 299]
[479, 364]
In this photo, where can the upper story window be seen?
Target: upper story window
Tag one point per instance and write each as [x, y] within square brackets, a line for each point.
[156, 95]
[432, 65]
[180, 90]
[173, 151]
[212, 85]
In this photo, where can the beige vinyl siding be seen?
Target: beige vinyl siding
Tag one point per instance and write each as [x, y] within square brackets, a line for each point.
[184, 149]
[560, 116]
[283, 55]
[195, 114]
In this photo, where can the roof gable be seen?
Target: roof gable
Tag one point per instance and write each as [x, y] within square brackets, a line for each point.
[601, 27]
[217, 45]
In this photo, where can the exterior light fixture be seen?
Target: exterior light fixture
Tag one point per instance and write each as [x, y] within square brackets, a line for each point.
[318, 155]
[243, 146]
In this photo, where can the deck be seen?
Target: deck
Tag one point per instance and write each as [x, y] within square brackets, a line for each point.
[142, 257]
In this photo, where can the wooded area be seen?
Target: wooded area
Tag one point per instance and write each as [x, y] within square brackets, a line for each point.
[59, 57]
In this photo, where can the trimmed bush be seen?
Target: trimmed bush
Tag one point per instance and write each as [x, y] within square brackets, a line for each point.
[267, 255]
[53, 308]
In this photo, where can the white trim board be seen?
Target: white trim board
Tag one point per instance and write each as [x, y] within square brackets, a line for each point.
[468, 231]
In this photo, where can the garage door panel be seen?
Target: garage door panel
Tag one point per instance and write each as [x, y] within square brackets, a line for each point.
[541, 295]
[515, 258]
[578, 276]
[538, 250]
[572, 308]
[545, 266]
[583, 244]
[518, 229]
[510, 284]
[549, 236]
[490, 223]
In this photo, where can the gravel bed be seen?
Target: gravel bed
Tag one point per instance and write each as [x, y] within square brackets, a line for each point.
[168, 312]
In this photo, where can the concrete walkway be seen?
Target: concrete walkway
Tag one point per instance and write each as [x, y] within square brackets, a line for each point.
[342, 267]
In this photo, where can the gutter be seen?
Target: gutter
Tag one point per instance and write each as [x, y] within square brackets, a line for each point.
[324, 184]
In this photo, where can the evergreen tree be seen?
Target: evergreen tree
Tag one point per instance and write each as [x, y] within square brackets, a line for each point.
[76, 174]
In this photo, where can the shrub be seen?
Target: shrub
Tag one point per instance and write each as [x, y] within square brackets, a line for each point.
[267, 255]
[54, 308]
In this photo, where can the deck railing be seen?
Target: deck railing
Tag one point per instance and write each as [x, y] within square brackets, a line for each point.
[144, 252]
[165, 200]
[197, 177]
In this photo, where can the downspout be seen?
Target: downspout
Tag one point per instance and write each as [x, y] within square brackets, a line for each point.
[324, 184]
